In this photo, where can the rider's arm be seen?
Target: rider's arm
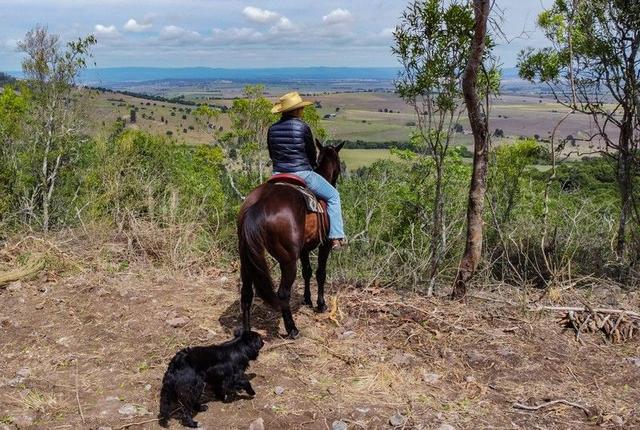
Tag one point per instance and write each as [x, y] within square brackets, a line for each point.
[310, 148]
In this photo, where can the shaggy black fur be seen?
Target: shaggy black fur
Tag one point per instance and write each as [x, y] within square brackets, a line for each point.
[191, 369]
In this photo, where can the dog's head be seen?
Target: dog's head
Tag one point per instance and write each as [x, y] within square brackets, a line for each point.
[253, 342]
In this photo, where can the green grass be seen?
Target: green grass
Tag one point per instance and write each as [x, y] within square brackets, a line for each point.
[356, 158]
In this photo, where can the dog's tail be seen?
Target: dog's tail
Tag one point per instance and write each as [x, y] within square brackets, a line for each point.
[253, 262]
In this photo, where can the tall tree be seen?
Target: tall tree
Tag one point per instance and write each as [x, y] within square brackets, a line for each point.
[480, 127]
[432, 44]
[593, 67]
[50, 74]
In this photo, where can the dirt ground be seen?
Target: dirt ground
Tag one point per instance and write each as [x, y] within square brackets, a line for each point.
[85, 344]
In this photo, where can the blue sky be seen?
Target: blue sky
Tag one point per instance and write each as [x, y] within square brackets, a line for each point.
[237, 33]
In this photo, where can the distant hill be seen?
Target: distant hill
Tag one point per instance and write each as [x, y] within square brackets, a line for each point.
[141, 74]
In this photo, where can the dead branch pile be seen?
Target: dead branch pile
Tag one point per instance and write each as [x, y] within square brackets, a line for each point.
[616, 327]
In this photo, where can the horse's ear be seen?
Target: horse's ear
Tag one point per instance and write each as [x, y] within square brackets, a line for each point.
[339, 147]
[319, 144]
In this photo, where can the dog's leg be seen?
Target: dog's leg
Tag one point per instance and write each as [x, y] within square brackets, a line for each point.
[288, 271]
[321, 274]
[307, 272]
[246, 386]
[167, 400]
[246, 298]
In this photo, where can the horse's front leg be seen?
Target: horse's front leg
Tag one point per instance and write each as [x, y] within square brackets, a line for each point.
[288, 271]
[321, 274]
[307, 272]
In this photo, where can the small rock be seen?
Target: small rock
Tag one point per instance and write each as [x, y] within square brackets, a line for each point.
[257, 424]
[470, 378]
[634, 360]
[402, 359]
[397, 420]
[278, 390]
[430, 378]
[40, 305]
[446, 427]
[147, 387]
[102, 292]
[347, 334]
[363, 410]
[223, 279]
[14, 286]
[339, 425]
[24, 372]
[617, 420]
[64, 341]
[475, 357]
[104, 428]
[112, 399]
[177, 322]
[21, 375]
[128, 409]
[23, 421]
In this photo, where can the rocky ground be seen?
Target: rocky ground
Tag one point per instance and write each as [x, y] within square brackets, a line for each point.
[86, 341]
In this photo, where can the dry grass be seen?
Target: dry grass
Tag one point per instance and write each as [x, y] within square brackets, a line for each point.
[377, 353]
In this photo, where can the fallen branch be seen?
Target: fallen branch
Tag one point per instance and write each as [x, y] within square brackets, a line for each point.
[78, 396]
[32, 267]
[551, 403]
[585, 308]
[278, 345]
[137, 423]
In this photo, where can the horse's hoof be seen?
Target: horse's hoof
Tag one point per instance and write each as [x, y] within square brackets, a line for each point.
[294, 334]
[203, 408]
[322, 307]
[308, 302]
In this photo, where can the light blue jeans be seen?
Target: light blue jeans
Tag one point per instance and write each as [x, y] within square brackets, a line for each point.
[323, 189]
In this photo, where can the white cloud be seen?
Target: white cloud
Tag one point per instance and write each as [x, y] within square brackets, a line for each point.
[284, 25]
[338, 16]
[237, 35]
[11, 44]
[106, 30]
[172, 32]
[261, 16]
[386, 33]
[133, 26]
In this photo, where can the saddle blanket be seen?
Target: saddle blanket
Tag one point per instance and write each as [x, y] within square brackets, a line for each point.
[313, 204]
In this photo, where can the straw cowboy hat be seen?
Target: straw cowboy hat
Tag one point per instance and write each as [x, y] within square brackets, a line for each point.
[288, 102]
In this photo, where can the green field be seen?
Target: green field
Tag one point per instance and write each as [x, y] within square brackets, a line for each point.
[356, 158]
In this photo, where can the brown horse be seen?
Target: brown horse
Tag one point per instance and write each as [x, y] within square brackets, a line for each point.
[275, 218]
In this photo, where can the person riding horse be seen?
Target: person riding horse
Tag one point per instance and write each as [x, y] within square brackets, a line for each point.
[292, 150]
[281, 221]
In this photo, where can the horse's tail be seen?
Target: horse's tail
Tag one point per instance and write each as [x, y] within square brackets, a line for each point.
[252, 257]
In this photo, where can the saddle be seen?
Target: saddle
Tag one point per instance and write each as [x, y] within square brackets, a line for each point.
[313, 203]
[317, 221]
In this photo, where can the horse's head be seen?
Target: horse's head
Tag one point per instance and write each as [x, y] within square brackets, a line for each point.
[329, 161]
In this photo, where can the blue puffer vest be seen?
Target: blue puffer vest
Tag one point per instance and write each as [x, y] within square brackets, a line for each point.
[291, 146]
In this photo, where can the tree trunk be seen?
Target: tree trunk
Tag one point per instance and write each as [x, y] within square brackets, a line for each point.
[437, 230]
[624, 179]
[473, 247]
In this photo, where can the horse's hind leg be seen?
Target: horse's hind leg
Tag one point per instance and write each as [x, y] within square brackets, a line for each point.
[288, 271]
[321, 274]
[246, 297]
[307, 272]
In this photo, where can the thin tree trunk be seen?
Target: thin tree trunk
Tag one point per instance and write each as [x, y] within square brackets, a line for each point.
[473, 247]
[625, 159]
[437, 230]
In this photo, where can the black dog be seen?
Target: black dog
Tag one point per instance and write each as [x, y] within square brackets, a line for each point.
[191, 369]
